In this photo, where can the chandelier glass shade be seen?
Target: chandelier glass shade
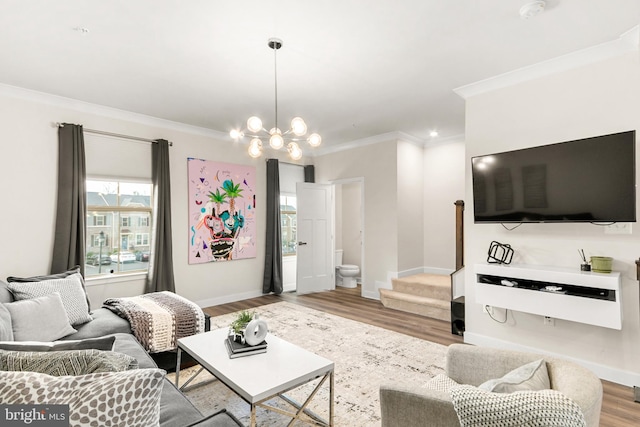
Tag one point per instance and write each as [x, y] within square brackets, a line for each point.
[275, 137]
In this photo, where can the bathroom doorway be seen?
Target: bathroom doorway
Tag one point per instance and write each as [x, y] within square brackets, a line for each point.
[349, 224]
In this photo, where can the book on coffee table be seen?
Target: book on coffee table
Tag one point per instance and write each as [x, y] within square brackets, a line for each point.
[236, 349]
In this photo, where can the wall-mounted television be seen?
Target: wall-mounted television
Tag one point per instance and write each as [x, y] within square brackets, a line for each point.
[586, 180]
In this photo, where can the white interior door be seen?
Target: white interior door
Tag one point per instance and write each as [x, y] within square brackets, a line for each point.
[315, 270]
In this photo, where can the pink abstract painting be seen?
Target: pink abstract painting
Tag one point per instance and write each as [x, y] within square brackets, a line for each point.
[222, 211]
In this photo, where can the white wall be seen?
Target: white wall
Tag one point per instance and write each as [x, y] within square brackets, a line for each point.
[410, 193]
[377, 165]
[595, 99]
[28, 176]
[351, 228]
[444, 183]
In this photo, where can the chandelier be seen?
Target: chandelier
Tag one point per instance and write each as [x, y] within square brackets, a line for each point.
[276, 138]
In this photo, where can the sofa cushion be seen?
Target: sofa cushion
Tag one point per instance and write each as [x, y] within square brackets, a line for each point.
[104, 322]
[6, 329]
[39, 319]
[74, 270]
[532, 376]
[70, 289]
[127, 398]
[543, 408]
[102, 343]
[70, 362]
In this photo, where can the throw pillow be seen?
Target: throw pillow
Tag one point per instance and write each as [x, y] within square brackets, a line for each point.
[102, 343]
[532, 376]
[73, 362]
[128, 398]
[544, 408]
[74, 270]
[70, 289]
[39, 319]
[6, 331]
[441, 382]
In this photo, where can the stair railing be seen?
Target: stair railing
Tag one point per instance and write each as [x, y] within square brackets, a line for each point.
[459, 242]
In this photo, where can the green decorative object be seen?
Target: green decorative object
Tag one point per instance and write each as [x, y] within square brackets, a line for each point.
[601, 264]
[239, 325]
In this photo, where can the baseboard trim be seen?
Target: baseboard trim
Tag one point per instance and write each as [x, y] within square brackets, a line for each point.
[228, 298]
[604, 372]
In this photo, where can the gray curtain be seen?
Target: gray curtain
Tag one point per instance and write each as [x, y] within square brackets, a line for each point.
[273, 250]
[69, 239]
[309, 173]
[160, 276]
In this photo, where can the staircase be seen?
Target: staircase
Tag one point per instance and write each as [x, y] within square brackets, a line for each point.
[424, 294]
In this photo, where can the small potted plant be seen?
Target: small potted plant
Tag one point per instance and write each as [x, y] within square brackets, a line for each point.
[238, 326]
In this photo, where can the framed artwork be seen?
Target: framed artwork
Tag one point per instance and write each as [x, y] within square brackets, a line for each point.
[222, 211]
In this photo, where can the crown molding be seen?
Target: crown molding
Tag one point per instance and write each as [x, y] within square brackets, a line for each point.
[449, 139]
[627, 42]
[101, 110]
[370, 140]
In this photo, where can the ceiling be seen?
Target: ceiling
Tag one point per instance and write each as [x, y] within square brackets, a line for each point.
[352, 69]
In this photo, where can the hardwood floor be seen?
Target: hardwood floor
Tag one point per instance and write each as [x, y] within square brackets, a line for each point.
[618, 406]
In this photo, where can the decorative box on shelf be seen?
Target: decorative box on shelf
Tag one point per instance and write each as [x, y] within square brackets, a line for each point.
[560, 293]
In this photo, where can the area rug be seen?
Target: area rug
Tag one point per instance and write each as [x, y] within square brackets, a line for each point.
[365, 357]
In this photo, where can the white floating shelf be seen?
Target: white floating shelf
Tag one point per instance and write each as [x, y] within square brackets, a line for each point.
[585, 297]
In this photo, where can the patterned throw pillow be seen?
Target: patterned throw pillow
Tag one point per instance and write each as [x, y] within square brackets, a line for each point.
[71, 292]
[62, 275]
[441, 382]
[128, 398]
[73, 362]
[544, 408]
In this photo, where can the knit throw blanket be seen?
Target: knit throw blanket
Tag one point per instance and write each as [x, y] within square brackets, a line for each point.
[159, 319]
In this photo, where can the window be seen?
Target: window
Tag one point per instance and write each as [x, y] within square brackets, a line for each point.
[142, 239]
[289, 225]
[118, 227]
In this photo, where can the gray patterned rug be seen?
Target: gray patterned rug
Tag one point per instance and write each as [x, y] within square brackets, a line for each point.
[365, 356]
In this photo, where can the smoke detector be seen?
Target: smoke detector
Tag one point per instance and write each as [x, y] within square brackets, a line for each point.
[532, 9]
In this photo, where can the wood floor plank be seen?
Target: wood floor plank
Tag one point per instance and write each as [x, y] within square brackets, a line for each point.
[618, 407]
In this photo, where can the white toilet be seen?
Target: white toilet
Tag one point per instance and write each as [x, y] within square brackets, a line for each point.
[345, 273]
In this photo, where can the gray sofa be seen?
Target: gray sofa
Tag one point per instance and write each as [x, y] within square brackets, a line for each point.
[175, 409]
[414, 405]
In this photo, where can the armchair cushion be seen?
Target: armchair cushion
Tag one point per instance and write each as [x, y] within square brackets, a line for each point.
[532, 376]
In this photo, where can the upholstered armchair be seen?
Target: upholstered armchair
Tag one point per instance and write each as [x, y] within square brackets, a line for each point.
[415, 405]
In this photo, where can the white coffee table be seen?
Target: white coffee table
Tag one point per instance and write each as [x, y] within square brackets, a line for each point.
[260, 377]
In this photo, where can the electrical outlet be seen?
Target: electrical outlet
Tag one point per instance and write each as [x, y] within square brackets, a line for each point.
[487, 309]
[618, 228]
[549, 321]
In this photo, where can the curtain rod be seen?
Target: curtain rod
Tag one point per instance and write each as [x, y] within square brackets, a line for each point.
[117, 135]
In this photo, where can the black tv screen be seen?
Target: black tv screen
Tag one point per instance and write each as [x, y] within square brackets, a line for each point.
[586, 180]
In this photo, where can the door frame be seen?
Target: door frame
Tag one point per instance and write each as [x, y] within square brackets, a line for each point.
[358, 180]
